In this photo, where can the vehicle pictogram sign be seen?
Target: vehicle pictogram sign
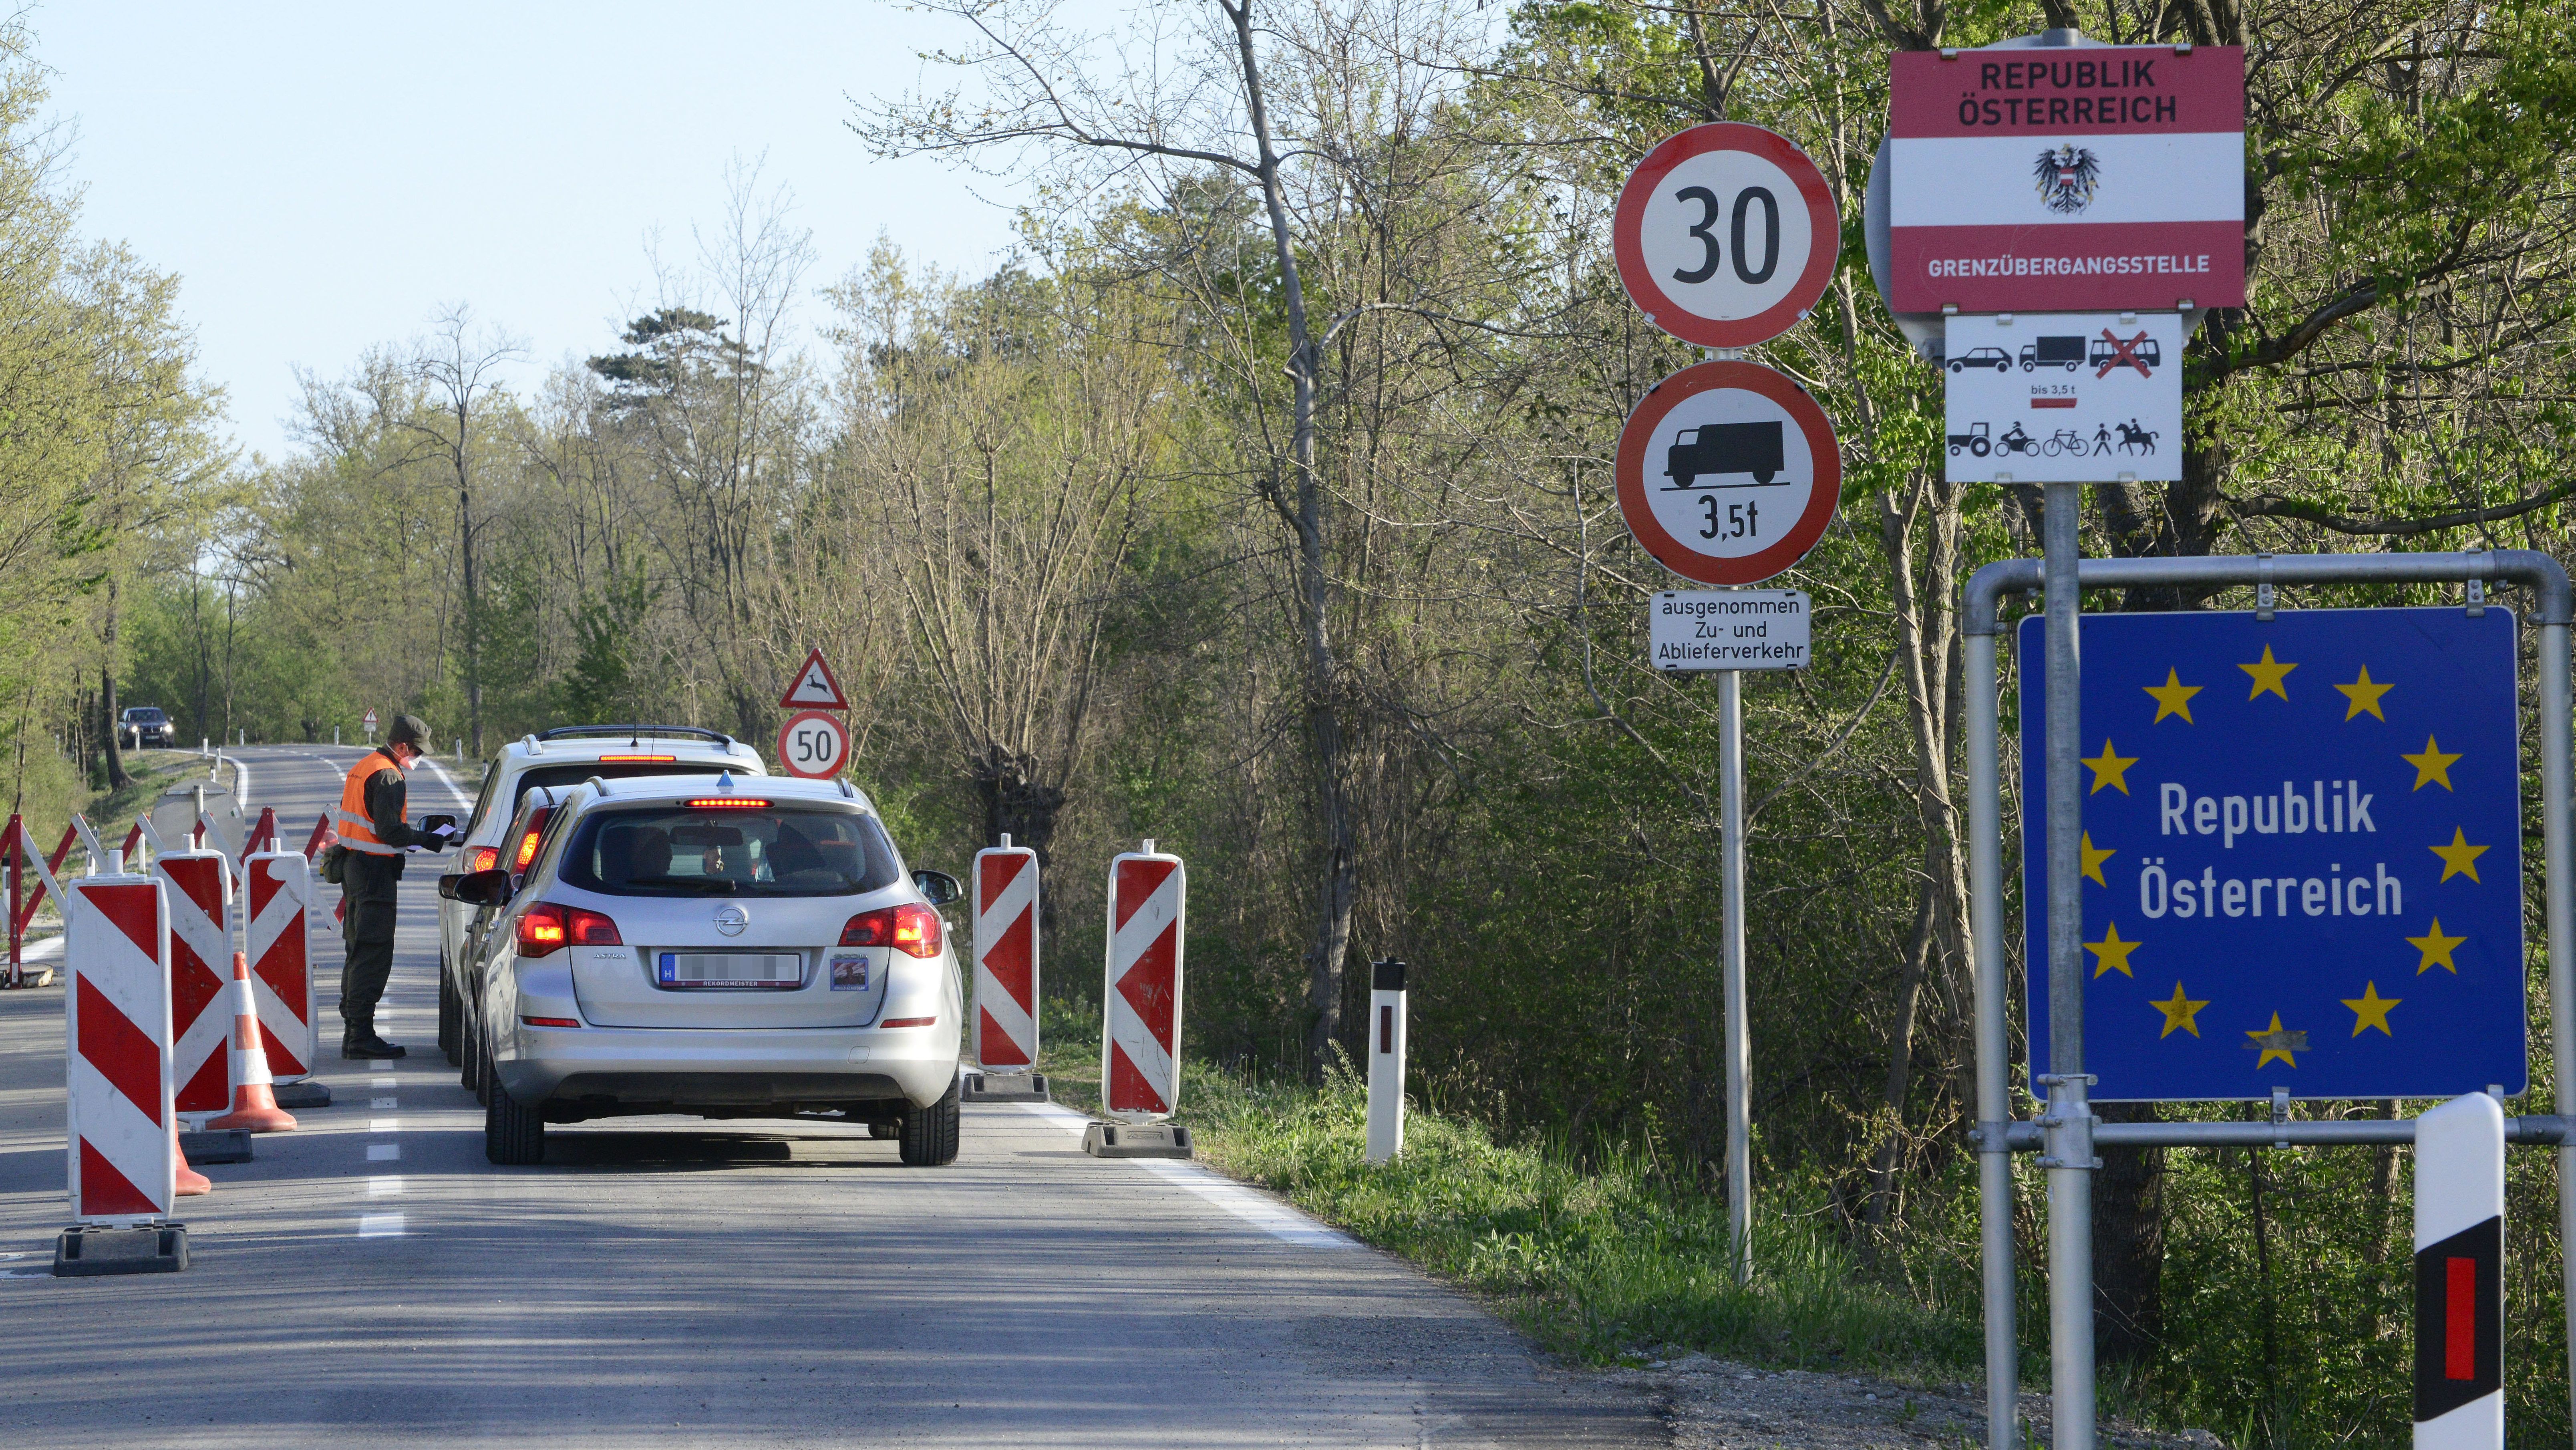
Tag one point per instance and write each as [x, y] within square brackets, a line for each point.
[2064, 397]
[1725, 235]
[1728, 472]
[2302, 853]
[813, 744]
[815, 687]
[2073, 178]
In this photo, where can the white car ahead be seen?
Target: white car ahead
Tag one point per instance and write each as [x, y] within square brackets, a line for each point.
[741, 947]
[561, 757]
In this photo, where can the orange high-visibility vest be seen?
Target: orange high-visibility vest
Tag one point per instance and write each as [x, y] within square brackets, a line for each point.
[357, 831]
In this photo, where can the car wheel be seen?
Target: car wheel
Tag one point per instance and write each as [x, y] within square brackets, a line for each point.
[513, 1136]
[449, 1009]
[930, 1134]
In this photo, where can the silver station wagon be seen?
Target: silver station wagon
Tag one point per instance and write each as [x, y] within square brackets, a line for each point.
[717, 947]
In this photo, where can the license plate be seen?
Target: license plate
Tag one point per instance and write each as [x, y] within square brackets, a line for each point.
[740, 970]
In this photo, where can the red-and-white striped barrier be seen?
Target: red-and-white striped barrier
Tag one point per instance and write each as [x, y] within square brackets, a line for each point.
[1140, 1044]
[279, 885]
[122, 1137]
[1006, 956]
[201, 949]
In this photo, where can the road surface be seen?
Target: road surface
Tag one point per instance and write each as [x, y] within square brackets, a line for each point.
[665, 1282]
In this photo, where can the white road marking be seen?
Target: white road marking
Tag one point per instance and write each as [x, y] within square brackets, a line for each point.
[384, 1187]
[380, 1225]
[380, 1082]
[1251, 1205]
[384, 1125]
[381, 1104]
[384, 1152]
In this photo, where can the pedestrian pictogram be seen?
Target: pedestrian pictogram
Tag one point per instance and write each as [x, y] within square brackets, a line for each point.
[1725, 235]
[813, 744]
[1728, 473]
[2301, 854]
[814, 686]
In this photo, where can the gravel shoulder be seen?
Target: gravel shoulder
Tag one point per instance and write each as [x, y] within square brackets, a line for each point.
[1717, 1404]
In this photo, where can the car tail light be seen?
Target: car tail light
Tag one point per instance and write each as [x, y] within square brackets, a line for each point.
[635, 759]
[536, 831]
[541, 930]
[726, 803]
[589, 928]
[911, 928]
[482, 858]
[908, 1022]
[550, 1021]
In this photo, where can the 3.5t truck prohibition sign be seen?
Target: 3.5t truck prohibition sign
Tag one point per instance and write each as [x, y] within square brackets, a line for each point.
[1728, 472]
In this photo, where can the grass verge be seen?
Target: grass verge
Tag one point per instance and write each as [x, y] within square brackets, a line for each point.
[1602, 1262]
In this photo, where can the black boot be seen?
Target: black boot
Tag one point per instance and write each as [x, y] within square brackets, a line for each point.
[362, 1043]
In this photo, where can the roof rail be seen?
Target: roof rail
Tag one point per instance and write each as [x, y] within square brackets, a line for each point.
[530, 741]
[598, 783]
[632, 732]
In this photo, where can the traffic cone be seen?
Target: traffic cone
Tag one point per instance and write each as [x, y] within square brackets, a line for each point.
[254, 1096]
[190, 1182]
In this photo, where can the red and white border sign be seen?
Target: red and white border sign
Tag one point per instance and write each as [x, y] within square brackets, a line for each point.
[1728, 472]
[1726, 235]
[2067, 179]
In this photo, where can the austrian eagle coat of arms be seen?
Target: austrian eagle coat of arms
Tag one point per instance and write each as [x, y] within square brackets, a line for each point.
[2067, 177]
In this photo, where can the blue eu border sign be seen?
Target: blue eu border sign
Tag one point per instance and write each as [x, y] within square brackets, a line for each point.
[2302, 853]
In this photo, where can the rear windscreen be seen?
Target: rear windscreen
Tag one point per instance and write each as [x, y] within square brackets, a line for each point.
[761, 851]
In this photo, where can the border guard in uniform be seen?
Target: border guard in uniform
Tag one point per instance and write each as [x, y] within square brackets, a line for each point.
[375, 836]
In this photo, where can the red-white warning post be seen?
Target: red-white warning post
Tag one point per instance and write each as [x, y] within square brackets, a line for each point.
[2068, 179]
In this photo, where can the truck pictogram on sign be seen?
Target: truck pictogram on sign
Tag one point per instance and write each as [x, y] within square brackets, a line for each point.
[1722, 448]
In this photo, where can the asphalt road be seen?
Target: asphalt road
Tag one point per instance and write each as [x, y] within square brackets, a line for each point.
[660, 1281]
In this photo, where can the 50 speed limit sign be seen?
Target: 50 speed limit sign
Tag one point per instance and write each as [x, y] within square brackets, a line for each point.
[1726, 235]
[813, 744]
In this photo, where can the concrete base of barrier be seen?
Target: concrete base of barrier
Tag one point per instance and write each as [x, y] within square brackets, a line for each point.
[84, 1251]
[215, 1145]
[1005, 1087]
[1134, 1140]
[304, 1094]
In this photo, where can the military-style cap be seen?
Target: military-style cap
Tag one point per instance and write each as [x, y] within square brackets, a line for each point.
[409, 729]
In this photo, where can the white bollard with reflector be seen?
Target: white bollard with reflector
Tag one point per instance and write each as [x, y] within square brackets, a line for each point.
[2459, 1276]
[278, 891]
[123, 1153]
[1005, 891]
[200, 897]
[1140, 1040]
[1386, 1061]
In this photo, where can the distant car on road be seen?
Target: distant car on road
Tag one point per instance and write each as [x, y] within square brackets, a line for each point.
[145, 725]
[1982, 357]
[742, 947]
[562, 756]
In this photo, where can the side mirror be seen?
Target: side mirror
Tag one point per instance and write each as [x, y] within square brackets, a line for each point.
[447, 886]
[477, 888]
[937, 887]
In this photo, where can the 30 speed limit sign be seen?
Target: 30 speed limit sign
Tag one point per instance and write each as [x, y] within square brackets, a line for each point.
[813, 744]
[1726, 235]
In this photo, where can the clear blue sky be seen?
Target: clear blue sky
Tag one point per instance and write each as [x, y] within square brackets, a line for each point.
[324, 175]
